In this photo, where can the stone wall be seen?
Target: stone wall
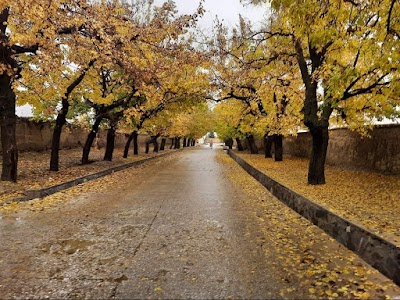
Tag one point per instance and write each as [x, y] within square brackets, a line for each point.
[380, 152]
[37, 136]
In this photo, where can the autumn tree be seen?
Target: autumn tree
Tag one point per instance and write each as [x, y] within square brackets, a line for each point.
[77, 43]
[108, 92]
[188, 120]
[162, 63]
[99, 35]
[21, 31]
[347, 53]
[251, 72]
[228, 118]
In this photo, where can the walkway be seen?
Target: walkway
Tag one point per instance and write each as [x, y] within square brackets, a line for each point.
[176, 228]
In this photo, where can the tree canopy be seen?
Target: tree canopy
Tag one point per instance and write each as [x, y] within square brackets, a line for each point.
[140, 67]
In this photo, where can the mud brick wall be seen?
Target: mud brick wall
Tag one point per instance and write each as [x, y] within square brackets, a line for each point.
[38, 135]
[380, 152]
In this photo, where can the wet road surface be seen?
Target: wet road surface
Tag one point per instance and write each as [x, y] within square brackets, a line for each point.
[174, 228]
[180, 232]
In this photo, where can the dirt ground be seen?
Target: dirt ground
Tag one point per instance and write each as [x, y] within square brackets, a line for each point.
[192, 225]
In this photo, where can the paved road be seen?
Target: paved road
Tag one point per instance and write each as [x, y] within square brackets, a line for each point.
[175, 228]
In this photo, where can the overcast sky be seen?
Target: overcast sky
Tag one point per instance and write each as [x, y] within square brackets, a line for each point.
[227, 10]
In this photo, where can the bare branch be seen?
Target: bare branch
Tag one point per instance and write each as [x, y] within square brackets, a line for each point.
[365, 90]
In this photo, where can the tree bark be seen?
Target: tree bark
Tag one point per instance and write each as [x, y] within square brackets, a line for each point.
[110, 141]
[155, 143]
[55, 143]
[229, 143]
[127, 145]
[278, 147]
[316, 169]
[153, 140]
[135, 143]
[8, 120]
[193, 142]
[239, 144]
[189, 142]
[172, 143]
[177, 143]
[89, 141]
[184, 142]
[268, 141]
[318, 124]
[163, 142]
[8, 130]
[252, 144]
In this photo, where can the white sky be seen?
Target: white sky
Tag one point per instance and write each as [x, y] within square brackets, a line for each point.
[227, 10]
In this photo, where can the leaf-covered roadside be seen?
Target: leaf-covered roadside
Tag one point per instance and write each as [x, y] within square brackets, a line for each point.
[34, 169]
[366, 198]
[310, 264]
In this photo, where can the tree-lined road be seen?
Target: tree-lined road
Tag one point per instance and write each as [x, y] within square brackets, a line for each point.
[179, 227]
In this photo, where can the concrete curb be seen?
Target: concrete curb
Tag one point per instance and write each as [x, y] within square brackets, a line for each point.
[40, 193]
[376, 251]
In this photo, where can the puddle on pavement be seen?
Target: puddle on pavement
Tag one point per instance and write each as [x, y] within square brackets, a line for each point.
[66, 246]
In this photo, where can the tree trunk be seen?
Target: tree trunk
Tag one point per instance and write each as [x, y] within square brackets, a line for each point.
[184, 142]
[127, 145]
[163, 142]
[229, 143]
[55, 143]
[239, 144]
[89, 141]
[153, 140]
[8, 120]
[316, 169]
[8, 127]
[268, 141]
[110, 141]
[177, 143]
[278, 147]
[252, 144]
[61, 118]
[155, 143]
[172, 143]
[135, 143]
[193, 143]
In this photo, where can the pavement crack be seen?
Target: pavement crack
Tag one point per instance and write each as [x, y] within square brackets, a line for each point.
[147, 231]
[114, 290]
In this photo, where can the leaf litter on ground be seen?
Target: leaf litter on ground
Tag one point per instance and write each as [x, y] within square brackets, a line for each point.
[34, 173]
[366, 198]
[80, 191]
[308, 261]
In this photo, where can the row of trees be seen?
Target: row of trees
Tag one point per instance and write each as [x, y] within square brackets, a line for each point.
[135, 67]
[312, 64]
[109, 64]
